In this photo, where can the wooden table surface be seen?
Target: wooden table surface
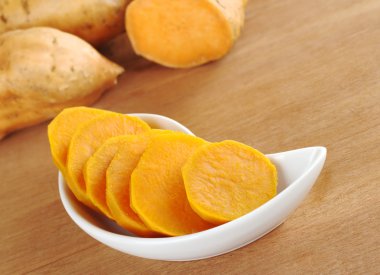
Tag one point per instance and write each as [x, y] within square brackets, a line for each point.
[303, 73]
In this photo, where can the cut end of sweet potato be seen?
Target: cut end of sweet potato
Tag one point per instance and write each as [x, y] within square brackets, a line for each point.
[178, 34]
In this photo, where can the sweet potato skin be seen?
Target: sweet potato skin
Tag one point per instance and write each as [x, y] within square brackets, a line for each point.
[95, 21]
[43, 71]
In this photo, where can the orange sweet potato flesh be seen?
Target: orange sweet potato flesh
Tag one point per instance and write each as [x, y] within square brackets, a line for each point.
[228, 179]
[90, 136]
[60, 131]
[118, 183]
[62, 128]
[95, 172]
[184, 33]
[157, 191]
[96, 167]
[119, 178]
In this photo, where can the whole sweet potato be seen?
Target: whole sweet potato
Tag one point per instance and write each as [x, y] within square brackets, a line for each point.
[95, 21]
[44, 70]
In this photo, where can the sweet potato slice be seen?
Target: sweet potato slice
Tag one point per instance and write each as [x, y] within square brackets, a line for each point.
[96, 167]
[184, 33]
[95, 172]
[118, 182]
[60, 131]
[157, 192]
[228, 179]
[91, 135]
[119, 178]
[62, 128]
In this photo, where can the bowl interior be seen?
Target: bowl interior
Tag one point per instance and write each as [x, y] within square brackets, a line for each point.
[292, 164]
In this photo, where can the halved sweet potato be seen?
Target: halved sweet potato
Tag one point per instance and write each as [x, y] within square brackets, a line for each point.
[184, 33]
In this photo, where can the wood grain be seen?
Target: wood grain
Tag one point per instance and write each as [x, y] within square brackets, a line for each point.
[303, 73]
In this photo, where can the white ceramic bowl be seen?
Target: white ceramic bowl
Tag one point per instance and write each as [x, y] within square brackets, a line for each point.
[297, 172]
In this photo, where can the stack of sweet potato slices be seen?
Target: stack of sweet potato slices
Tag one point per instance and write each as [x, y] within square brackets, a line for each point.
[156, 182]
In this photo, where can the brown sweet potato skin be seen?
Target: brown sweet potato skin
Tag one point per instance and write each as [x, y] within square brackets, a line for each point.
[44, 70]
[95, 21]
